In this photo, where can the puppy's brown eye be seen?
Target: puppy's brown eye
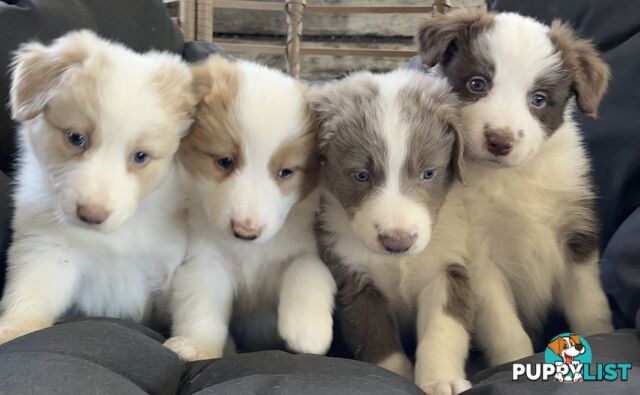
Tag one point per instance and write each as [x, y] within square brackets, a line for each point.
[477, 85]
[76, 139]
[225, 163]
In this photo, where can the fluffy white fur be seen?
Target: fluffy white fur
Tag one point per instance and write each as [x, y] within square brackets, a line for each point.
[57, 263]
[280, 269]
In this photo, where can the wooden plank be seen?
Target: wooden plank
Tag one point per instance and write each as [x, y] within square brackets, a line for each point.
[320, 67]
[316, 8]
[311, 50]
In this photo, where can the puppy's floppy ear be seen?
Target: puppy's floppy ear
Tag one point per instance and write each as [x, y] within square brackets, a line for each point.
[38, 70]
[590, 73]
[202, 79]
[215, 81]
[575, 338]
[440, 36]
[322, 105]
[556, 345]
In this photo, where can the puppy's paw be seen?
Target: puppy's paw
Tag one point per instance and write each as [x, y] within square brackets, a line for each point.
[10, 332]
[189, 351]
[399, 364]
[305, 329]
[445, 387]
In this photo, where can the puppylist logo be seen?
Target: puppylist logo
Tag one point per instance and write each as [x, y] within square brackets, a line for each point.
[567, 359]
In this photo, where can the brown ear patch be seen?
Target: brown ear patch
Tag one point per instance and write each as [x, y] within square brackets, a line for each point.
[39, 70]
[214, 133]
[590, 73]
[439, 36]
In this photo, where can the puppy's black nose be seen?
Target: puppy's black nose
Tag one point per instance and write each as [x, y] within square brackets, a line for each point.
[397, 241]
[579, 347]
[499, 142]
[92, 214]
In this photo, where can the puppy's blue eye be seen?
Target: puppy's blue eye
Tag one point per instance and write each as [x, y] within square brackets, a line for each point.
[284, 173]
[140, 158]
[76, 139]
[361, 176]
[538, 100]
[477, 85]
[225, 163]
[427, 174]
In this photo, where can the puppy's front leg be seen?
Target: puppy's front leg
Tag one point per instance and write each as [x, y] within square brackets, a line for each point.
[497, 325]
[582, 288]
[368, 325]
[40, 286]
[445, 317]
[201, 300]
[306, 306]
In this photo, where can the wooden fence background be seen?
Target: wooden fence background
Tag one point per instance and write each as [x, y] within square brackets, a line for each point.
[260, 35]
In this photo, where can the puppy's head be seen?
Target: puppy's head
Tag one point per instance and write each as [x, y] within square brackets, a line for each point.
[252, 149]
[515, 77]
[391, 148]
[102, 121]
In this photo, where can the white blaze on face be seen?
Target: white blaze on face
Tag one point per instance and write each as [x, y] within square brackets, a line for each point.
[521, 53]
[102, 186]
[390, 221]
[268, 111]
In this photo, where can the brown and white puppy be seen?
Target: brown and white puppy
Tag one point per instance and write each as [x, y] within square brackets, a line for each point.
[98, 225]
[391, 151]
[253, 266]
[533, 230]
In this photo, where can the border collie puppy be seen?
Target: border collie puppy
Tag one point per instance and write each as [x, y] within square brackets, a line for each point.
[253, 265]
[97, 226]
[530, 200]
[391, 151]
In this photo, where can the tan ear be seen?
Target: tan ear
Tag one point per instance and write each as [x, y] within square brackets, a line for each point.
[575, 338]
[215, 81]
[39, 70]
[201, 79]
[590, 73]
[438, 37]
[556, 345]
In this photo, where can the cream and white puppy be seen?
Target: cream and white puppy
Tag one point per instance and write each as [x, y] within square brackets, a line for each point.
[252, 263]
[529, 197]
[391, 151]
[97, 229]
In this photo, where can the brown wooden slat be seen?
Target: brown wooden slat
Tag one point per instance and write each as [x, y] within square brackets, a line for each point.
[307, 50]
[312, 8]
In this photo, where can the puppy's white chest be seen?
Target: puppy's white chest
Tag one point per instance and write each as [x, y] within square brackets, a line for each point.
[119, 273]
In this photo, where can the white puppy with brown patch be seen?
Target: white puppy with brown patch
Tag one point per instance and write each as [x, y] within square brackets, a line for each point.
[530, 201]
[252, 265]
[97, 226]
